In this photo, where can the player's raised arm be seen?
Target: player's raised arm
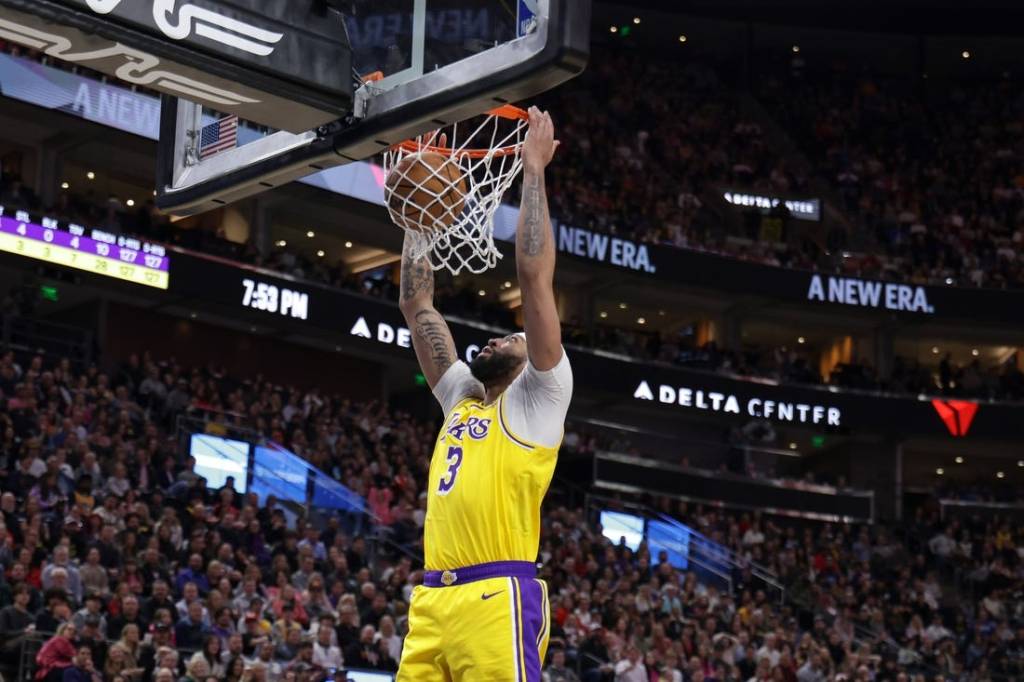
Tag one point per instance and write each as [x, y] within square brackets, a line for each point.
[431, 338]
[535, 247]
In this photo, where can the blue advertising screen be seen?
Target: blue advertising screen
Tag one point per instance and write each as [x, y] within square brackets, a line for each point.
[673, 539]
[329, 494]
[218, 458]
[616, 525]
[279, 473]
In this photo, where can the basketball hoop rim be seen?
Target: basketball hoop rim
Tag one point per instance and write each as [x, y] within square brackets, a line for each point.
[507, 111]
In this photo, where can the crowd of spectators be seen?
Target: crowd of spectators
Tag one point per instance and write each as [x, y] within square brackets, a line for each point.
[928, 173]
[789, 364]
[925, 600]
[125, 566]
[932, 175]
[932, 170]
[118, 556]
[115, 553]
[645, 143]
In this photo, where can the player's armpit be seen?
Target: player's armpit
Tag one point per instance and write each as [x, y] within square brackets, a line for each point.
[432, 341]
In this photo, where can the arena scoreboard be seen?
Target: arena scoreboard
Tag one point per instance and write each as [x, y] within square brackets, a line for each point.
[91, 250]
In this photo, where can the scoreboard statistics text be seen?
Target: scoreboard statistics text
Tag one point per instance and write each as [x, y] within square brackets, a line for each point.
[73, 246]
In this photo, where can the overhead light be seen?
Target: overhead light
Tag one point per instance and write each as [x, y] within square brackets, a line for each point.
[154, 192]
[337, 348]
[130, 203]
[966, 54]
[65, 185]
[280, 242]
[940, 471]
[792, 446]
[482, 292]
[508, 285]
[90, 175]
[682, 38]
[974, 352]
[935, 350]
[310, 234]
[320, 253]
[1020, 462]
[800, 339]
[1000, 474]
[641, 320]
[796, 48]
[252, 329]
[622, 306]
[193, 315]
[603, 314]
[348, 245]
[636, 20]
[959, 460]
[949, 280]
[661, 313]
[614, 29]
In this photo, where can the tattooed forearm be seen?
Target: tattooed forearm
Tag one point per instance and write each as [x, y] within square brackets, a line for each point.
[417, 277]
[431, 328]
[534, 205]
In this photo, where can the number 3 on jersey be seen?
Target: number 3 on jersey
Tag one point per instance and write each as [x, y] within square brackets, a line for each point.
[454, 460]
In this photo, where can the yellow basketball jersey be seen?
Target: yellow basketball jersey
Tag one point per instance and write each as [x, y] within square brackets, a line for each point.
[485, 490]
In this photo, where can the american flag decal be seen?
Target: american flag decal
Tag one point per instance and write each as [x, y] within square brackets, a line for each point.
[218, 136]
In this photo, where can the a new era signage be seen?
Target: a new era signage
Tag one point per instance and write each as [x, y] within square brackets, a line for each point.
[758, 407]
[605, 248]
[867, 294]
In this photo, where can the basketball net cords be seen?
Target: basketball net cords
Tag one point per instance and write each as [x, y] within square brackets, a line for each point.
[461, 234]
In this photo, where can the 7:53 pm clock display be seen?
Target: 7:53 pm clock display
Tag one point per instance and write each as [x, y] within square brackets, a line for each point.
[271, 298]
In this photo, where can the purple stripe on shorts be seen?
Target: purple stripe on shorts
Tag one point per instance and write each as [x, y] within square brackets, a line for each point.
[469, 574]
[532, 599]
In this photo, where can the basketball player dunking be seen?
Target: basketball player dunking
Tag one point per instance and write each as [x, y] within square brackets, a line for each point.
[481, 613]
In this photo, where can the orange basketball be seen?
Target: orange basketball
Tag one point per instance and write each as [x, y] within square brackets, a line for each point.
[425, 191]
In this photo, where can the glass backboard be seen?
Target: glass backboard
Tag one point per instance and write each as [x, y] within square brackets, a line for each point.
[416, 65]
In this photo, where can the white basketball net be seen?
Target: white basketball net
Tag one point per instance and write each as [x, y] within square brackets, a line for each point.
[487, 158]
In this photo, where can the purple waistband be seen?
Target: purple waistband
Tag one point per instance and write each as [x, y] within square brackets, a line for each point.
[469, 574]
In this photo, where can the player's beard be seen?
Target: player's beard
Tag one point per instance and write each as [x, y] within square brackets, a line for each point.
[493, 367]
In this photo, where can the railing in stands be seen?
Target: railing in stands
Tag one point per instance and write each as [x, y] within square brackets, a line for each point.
[713, 558]
[360, 520]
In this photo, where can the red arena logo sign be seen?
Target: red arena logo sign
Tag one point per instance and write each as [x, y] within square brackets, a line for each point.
[957, 415]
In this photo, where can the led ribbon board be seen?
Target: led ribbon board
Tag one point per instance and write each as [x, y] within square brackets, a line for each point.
[98, 252]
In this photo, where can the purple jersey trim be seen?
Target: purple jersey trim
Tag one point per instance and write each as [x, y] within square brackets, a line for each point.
[499, 569]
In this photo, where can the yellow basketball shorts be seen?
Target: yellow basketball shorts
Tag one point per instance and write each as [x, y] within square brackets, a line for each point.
[488, 622]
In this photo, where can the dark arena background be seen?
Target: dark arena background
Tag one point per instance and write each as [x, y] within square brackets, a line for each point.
[791, 285]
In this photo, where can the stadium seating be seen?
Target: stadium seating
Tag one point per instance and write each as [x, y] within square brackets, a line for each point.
[107, 526]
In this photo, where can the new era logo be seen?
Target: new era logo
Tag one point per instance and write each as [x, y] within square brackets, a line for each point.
[957, 415]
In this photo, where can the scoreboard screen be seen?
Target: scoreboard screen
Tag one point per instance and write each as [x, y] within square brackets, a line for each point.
[95, 251]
